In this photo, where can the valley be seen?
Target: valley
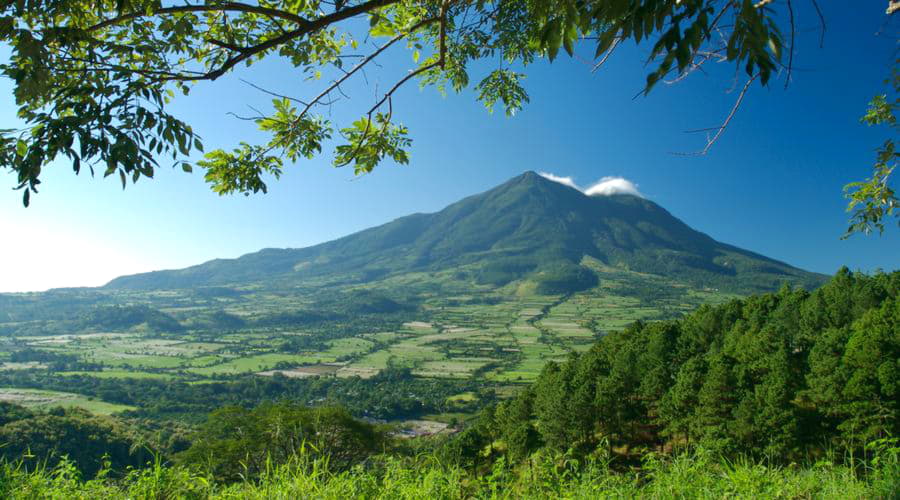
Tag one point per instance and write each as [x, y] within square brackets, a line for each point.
[499, 337]
[528, 321]
[479, 296]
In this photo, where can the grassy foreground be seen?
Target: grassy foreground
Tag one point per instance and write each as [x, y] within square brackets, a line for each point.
[696, 475]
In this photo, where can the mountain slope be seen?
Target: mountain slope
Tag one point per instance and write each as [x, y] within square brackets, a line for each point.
[526, 227]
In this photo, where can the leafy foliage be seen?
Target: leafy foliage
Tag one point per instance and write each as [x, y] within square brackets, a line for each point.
[89, 442]
[873, 201]
[124, 317]
[94, 81]
[392, 394]
[236, 443]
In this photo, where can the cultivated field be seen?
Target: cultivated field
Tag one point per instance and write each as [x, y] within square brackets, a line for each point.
[503, 336]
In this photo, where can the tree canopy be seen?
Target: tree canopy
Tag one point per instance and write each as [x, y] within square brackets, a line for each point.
[94, 78]
[776, 375]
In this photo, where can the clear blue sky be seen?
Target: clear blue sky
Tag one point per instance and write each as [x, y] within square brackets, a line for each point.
[772, 184]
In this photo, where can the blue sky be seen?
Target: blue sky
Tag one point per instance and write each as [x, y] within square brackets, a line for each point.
[772, 184]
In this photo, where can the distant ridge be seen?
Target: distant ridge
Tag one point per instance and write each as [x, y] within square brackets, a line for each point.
[528, 226]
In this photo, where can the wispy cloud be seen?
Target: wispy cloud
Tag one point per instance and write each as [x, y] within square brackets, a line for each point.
[567, 181]
[613, 185]
[606, 186]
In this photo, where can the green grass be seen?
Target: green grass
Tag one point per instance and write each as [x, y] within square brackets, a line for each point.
[463, 397]
[41, 399]
[452, 368]
[256, 363]
[115, 374]
[687, 476]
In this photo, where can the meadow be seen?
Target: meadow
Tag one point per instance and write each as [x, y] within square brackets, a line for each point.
[41, 399]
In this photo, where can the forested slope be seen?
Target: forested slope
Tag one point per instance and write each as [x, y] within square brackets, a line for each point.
[778, 376]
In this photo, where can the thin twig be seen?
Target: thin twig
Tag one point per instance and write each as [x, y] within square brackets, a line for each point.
[273, 94]
[790, 65]
[821, 21]
[721, 128]
[609, 52]
[362, 63]
[387, 97]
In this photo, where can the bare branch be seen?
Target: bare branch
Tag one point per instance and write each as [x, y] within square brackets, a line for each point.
[309, 27]
[706, 56]
[893, 6]
[790, 66]
[609, 52]
[721, 128]
[821, 21]
[273, 94]
[225, 45]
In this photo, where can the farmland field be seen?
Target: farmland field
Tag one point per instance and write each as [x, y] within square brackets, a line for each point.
[456, 331]
[32, 398]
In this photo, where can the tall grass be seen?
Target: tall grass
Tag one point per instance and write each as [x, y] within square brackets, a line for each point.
[690, 475]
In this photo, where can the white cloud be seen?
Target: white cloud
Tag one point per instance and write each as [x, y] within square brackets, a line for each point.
[566, 181]
[606, 186]
[613, 185]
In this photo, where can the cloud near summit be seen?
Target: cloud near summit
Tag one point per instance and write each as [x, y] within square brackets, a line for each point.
[604, 187]
[567, 181]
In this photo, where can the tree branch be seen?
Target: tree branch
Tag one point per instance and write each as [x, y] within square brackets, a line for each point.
[310, 26]
[365, 61]
[790, 66]
[821, 22]
[721, 128]
[606, 56]
[389, 94]
[219, 7]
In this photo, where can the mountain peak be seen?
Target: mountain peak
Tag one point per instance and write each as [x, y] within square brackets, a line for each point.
[532, 176]
[523, 227]
[605, 187]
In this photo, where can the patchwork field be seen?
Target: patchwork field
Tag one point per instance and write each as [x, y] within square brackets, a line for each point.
[507, 341]
[456, 331]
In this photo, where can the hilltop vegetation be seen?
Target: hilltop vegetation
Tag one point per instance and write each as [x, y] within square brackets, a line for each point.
[778, 376]
[724, 401]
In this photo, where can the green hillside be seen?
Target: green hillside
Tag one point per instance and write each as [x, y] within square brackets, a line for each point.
[473, 300]
[526, 228]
